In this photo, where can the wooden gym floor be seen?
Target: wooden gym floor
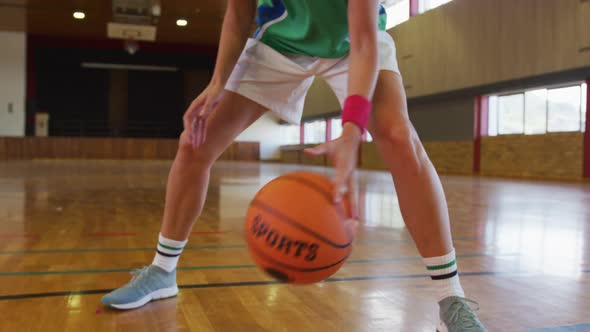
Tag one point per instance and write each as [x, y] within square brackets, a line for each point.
[72, 230]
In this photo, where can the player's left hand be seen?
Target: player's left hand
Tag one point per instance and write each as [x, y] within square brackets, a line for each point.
[343, 153]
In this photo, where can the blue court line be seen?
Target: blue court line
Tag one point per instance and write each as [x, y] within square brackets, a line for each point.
[566, 328]
[223, 267]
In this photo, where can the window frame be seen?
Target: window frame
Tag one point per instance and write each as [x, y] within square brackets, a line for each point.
[579, 111]
[322, 137]
[550, 87]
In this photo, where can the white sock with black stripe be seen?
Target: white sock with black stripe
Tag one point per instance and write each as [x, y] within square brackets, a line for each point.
[167, 253]
[445, 278]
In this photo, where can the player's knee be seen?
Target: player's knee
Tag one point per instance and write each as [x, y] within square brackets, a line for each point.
[400, 137]
[186, 152]
[403, 144]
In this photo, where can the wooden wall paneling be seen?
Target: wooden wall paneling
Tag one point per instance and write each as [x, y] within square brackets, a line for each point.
[15, 148]
[33, 148]
[167, 148]
[227, 154]
[247, 151]
[473, 43]
[453, 42]
[544, 35]
[135, 149]
[507, 45]
[3, 152]
[437, 28]
[290, 154]
[566, 48]
[149, 149]
[405, 56]
[91, 148]
[107, 148]
[487, 52]
[473, 48]
[307, 160]
[423, 70]
[583, 32]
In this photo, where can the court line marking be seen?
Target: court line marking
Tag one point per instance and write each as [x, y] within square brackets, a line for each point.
[225, 267]
[240, 284]
[18, 235]
[59, 251]
[228, 246]
[110, 234]
[208, 232]
[564, 328]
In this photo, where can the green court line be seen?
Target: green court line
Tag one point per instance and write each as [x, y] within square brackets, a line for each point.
[220, 267]
[61, 251]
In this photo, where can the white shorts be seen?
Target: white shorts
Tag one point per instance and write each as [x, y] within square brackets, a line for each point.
[280, 82]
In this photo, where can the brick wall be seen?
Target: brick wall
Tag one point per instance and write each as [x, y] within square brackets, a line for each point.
[449, 157]
[551, 156]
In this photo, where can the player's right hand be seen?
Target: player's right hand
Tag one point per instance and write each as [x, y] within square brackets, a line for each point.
[195, 117]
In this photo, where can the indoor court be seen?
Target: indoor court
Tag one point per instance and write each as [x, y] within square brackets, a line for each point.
[91, 109]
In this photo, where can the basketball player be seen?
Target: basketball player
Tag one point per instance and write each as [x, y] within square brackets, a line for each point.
[345, 43]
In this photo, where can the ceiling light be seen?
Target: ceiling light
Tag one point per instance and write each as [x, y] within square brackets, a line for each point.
[79, 15]
[181, 22]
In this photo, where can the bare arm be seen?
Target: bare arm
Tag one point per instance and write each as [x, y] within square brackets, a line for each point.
[362, 78]
[362, 26]
[363, 68]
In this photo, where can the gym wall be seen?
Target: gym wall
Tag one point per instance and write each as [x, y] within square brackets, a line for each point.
[452, 54]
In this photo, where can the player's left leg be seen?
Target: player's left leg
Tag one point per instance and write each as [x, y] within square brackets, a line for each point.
[420, 193]
[421, 198]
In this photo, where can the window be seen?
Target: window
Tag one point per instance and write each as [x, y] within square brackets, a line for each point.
[584, 105]
[336, 128]
[397, 12]
[511, 114]
[564, 109]
[493, 116]
[290, 134]
[315, 132]
[426, 5]
[535, 112]
[538, 111]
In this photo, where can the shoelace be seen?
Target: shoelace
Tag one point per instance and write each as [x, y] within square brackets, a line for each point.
[461, 314]
[137, 274]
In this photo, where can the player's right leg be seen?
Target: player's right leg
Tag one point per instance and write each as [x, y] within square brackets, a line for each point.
[185, 196]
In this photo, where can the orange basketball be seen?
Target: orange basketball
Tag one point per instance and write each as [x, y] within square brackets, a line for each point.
[295, 232]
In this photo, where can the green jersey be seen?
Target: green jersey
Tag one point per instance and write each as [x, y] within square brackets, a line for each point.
[317, 28]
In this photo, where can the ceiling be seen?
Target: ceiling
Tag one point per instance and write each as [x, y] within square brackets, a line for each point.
[54, 18]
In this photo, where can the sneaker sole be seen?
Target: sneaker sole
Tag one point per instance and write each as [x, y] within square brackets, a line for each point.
[155, 295]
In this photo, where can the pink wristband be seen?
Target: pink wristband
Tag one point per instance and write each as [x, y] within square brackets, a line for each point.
[357, 110]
